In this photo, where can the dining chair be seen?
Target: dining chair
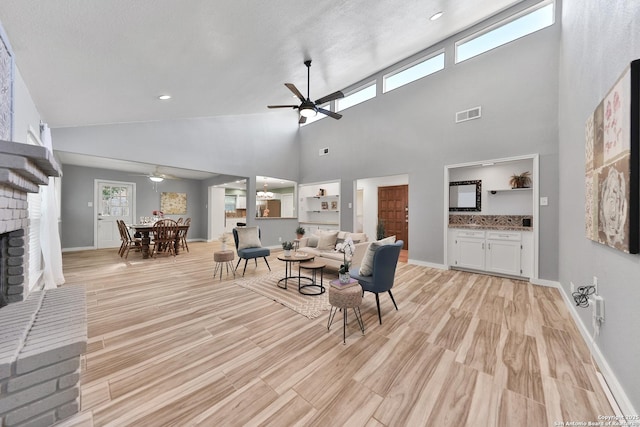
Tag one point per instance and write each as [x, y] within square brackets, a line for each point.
[180, 220]
[385, 260]
[165, 237]
[127, 241]
[123, 241]
[183, 234]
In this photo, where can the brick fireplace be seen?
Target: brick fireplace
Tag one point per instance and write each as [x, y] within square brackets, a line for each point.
[42, 333]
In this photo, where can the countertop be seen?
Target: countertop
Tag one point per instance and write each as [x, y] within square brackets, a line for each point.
[490, 227]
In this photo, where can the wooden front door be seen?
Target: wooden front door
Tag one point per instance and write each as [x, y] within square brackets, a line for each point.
[393, 209]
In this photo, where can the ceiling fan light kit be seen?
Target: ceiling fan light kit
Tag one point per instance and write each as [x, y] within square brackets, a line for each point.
[156, 178]
[308, 108]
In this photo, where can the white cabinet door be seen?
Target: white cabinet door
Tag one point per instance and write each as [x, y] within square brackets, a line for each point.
[503, 256]
[470, 252]
[241, 202]
[526, 263]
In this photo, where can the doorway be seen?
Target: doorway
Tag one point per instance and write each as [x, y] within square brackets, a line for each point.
[393, 211]
[113, 200]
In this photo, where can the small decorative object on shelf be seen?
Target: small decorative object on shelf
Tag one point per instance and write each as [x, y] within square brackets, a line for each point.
[334, 205]
[347, 248]
[520, 181]
[325, 206]
[300, 232]
[287, 246]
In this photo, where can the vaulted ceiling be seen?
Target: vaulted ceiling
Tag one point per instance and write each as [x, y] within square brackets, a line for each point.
[94, 62]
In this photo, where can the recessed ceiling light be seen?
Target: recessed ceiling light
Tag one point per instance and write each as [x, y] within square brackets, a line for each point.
[436, 16]
[164, 97]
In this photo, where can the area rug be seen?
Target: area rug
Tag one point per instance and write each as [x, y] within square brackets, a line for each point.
[310, 306]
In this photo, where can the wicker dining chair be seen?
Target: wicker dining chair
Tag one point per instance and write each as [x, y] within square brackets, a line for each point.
[183, 234]
[128, 242]
[165, 237]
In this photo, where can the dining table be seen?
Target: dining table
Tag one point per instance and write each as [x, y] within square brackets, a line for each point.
[144, 232]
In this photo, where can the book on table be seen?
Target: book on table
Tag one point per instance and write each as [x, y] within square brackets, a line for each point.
[339, 285]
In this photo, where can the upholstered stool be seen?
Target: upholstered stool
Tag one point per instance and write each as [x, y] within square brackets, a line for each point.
[223, 258]
[344, 297]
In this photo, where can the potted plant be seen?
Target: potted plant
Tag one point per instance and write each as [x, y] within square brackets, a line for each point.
[380, 230]
[300, 232]
[520, 181]
[347, 248]
[287, 246]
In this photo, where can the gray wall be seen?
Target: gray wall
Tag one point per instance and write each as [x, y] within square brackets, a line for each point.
[599, 39]
[411, 130]
[77, 218]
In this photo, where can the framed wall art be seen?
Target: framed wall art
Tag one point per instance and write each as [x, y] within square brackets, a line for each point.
[173, 203]
[612, 165]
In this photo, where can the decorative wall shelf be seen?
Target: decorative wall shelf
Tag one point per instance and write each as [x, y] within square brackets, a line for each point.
[509, 190]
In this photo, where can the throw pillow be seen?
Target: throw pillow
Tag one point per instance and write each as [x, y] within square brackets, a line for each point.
[312, 241]
[366, 267]
[327, 240]
[248, 238]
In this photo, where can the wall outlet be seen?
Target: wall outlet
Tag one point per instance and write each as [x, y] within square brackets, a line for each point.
[280, 239]
[595, 284]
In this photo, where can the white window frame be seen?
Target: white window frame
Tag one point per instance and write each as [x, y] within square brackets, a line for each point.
[501, 24]
[413, 64]
[355, 91]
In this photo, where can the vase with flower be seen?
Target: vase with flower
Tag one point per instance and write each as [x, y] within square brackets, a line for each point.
[347, 248]
[286, 247]
[223, 239]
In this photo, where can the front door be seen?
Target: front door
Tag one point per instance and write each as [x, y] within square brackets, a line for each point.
[393, 209]
[114, 200]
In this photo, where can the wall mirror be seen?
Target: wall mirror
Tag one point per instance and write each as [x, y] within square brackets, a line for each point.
[465, 196]
[275, 198]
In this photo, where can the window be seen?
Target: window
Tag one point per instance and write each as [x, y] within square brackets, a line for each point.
[362, 94]
[529, 21]
[413, 72]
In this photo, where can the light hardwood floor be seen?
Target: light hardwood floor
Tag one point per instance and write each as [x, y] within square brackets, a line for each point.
[171, 345]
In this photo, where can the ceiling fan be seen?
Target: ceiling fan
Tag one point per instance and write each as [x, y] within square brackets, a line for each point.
[309, 108]
[157, 176]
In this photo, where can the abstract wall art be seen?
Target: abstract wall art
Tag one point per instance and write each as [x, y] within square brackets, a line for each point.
[173, 203]
[612, 165]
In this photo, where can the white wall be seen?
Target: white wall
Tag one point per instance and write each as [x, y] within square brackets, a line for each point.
[599, 39]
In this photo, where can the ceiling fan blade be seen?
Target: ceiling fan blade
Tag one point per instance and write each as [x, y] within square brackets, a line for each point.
[330, 113]
[282, 106]
[302, 120]
[295, 91]
[329, 98]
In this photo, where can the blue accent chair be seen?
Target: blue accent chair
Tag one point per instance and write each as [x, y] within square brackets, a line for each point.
[250, 253]
[385, 260]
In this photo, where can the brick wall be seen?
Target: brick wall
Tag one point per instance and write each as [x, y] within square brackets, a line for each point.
[41, 343]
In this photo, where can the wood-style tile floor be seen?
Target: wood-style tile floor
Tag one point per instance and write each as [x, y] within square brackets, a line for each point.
[171, 345]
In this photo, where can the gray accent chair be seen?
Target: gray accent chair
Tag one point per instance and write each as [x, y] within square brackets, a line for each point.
[385, 260]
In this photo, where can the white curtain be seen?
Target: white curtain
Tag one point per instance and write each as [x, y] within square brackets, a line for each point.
[49, 234]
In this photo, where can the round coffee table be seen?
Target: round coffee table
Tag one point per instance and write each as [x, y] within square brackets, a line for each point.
[288, 267]
[314, 266]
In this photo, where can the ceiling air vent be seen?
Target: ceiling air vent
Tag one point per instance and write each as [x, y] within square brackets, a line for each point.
[470, 114]
[323, 151]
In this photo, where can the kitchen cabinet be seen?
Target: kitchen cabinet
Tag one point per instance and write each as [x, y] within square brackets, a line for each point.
[241, 202]
[502, 252]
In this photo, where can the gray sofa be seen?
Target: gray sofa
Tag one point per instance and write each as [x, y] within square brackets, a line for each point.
[322, 246]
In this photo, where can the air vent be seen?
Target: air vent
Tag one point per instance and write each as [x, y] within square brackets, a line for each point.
[470, 114]
[323, 151]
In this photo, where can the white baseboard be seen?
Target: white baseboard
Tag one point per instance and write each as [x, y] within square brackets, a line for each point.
[85, 248]
[618, 398]
[544, 282]
[427, 264]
